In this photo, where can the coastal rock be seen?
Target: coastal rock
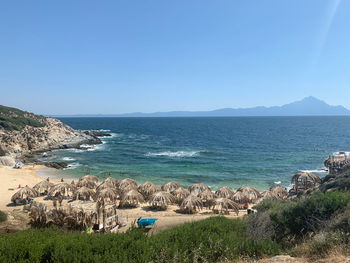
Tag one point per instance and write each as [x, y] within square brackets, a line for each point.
[53, 135]
[96, 133]
[56, 165]
[7, 161]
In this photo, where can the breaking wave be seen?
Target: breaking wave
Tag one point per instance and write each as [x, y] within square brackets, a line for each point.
[177, 154]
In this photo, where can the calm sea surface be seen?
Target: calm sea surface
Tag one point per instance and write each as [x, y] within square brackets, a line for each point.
[255, 151]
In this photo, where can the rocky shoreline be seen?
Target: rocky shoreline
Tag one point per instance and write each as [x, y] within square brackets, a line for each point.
[29, 144]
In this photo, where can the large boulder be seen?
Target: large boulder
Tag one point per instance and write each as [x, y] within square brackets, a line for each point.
[7, 161]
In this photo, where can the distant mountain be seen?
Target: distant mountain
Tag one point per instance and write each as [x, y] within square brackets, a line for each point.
[309, 106]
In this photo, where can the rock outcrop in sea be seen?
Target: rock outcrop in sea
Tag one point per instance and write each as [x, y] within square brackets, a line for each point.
[20, 137]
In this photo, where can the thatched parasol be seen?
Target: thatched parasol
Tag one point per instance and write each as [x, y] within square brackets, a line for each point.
[43, 187]
[240, 197]
[196, 189]
[63, 189]
[246, 194]
[224, 192]
[280, 191]
[112, 181]
[84, 193]
[106, 185]
[127, 188]
[207, 197]
[180, 194]
[225, 204]
[131, 199]
[191, 204]
[24, 193]
[305, 180]
[126, 182]
[147, 189]
[161, 200]
[87, 183]
[170, 187]
[89, 177]
[269, 195]
[107, 195]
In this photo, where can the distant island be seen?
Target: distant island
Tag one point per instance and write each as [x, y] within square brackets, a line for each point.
[309, 106]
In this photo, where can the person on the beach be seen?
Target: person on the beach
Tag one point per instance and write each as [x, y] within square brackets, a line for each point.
[19, 186]
[246, 206]
[62, 180]
[73, 182]
[48, 179]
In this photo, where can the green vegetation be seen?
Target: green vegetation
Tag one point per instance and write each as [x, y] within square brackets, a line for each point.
[211, 240]
[3, 216]
[312, 226]
[15, 119]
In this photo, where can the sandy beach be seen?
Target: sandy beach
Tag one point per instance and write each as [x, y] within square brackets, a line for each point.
[12, 178]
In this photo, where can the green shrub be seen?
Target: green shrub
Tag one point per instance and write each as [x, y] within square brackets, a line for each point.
[266, 205]
[3, 216]
[15, 119]
[296, 219]
[210, 240]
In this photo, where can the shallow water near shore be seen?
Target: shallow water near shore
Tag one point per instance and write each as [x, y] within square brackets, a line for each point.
[255, 151]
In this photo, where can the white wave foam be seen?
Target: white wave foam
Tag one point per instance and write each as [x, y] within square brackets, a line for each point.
[68, 159]
[113, 135]
[178, 154]
[102, 130]
[86, 146]
[315, 171]
[75, 150]
[339, 154]
[72, 166]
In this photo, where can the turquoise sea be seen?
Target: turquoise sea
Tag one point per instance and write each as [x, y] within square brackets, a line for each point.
[255, 151]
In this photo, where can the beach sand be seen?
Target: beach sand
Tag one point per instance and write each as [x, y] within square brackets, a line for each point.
[10, 179]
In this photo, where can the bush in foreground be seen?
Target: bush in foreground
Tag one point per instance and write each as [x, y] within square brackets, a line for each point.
[3, 216]
[211, 240]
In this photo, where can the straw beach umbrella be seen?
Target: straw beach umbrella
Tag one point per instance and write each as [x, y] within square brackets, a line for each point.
[24, 193]
[269, 195]
[196, 189]
[170, 187]
[112, 181]
[84, 193]
[280, 191]
[207, 197]
[147, 189]
[246, 194]
[87, 183]
[224, 192]
[225, 204]
[131, 199]
[240, 197]
[305, 180]
[161, 200]
[126, 182]
[63, 189]
[180, 194]
[43, 187]
[106, 185]
[107, 195]
[191, 204]
[127, 188]
[89, 177]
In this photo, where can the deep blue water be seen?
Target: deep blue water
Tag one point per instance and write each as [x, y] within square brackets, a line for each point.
[256, 151]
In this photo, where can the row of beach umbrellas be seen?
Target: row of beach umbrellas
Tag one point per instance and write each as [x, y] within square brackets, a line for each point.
[131, 194]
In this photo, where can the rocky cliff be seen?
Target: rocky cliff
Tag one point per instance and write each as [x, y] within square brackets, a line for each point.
[29, 139]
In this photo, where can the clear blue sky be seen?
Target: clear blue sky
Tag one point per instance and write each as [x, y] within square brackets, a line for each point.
[68, 57]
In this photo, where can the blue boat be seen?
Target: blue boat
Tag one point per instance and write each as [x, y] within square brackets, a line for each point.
[142, 222]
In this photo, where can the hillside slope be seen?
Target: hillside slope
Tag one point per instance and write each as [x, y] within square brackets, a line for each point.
[23, 132]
